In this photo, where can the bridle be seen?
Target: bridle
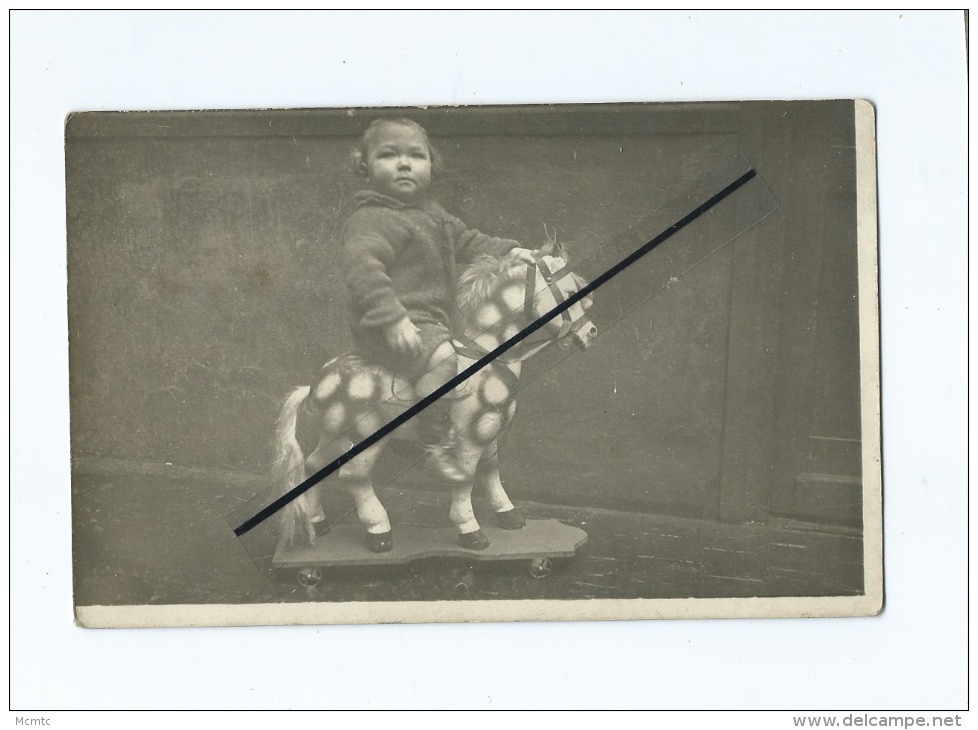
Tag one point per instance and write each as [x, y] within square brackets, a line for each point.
[539, 340]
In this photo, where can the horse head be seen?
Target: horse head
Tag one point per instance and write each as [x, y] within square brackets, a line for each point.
[562, 285]
[498, 298]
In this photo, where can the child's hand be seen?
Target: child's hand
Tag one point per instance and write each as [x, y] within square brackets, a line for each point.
[522, 254]
[404, 337]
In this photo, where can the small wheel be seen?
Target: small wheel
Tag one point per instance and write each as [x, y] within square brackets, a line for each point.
[465, 583]
[541, 567]
[309, 577]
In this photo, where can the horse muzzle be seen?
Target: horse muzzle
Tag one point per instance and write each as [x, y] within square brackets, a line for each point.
[585, 334]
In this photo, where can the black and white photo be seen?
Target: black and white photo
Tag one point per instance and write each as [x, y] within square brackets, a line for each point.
[598, 360]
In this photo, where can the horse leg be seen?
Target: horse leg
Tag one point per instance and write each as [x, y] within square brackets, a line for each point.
[311, 504]
[355, 476]
[324, 422]
[488, 477]
[462, 515]
[312, 501]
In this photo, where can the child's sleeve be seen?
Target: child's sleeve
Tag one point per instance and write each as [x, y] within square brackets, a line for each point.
[469, 243]
[370, 246]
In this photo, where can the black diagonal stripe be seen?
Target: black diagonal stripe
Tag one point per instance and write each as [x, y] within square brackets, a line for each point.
[448, 387]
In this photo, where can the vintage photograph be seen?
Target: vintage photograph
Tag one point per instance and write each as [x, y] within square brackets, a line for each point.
[474, 363]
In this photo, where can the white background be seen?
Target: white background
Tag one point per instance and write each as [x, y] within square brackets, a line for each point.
[910, 65]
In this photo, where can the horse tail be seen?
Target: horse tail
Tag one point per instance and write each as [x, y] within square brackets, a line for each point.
[296, 522]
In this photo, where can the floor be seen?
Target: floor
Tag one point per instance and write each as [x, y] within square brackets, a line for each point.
[142, 536]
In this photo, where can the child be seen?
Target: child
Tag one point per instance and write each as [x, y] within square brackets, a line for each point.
[400, 250]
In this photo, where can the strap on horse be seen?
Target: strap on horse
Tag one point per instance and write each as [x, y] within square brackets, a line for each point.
[551, 277]
[567, 326]
[508, 377]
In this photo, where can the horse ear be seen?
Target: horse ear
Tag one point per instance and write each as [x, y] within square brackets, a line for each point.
[552, 247]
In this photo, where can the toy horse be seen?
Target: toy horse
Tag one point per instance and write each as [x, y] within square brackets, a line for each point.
[352, 398]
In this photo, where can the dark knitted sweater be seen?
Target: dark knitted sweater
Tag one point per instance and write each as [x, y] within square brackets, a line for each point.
[400, 259]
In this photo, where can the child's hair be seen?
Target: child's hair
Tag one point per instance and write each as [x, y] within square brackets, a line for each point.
[358, 155]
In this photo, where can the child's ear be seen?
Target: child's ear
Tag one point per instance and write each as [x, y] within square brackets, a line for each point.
[358, 163]
[435, 156]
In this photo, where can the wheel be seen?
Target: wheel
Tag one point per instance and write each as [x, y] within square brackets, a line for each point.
[309, 577]
[541, 567]
[465, 583]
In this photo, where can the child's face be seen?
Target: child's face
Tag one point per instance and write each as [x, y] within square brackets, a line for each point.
[399, 162]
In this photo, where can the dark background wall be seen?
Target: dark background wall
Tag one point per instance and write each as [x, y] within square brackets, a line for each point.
[203, 284]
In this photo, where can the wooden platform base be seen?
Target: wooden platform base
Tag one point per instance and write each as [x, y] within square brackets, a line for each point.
[345, 545]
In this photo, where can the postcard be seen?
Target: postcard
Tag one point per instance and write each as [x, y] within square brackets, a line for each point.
[514, 363]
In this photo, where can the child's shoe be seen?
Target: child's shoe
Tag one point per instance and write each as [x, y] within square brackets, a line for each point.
[440, 439]
[443, 464]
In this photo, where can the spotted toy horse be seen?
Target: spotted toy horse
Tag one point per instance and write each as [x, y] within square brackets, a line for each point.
[496, 298]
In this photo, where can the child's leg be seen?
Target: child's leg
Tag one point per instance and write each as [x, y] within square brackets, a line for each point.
[435, 365]
[435, 421]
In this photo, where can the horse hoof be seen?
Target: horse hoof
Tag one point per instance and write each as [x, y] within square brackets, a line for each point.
[474, 540]
[510, 520]
[380, 543]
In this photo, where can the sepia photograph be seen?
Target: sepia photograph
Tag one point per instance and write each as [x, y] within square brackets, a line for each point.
[486, 363]
[488, 360]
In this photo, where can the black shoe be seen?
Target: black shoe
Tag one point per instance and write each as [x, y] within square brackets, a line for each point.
[442, 464]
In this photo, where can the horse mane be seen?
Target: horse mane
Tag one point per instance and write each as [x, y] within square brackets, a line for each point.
[481, 278]
[486, 274]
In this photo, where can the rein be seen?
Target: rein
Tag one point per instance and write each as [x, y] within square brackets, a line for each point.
[528, 347]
